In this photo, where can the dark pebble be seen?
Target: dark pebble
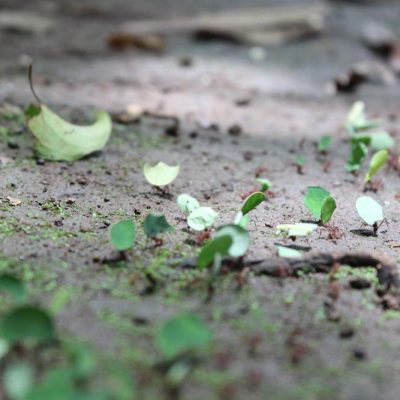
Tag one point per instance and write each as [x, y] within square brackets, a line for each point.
[359, 354]
[235, 130]
[360, 283]
[12, 145]
[346, 333]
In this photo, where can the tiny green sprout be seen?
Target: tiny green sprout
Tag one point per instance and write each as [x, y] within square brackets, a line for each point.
[288, 252]
[155, 225]
[265, 184]
[240, 239]
[214, 248]
[370, 211]
[320, 203]
[252, 202]
[202, 218]
[381, 141]
[123, 235]
[181, 334]
[324, 143]
[161, 174]
[296, 230]
[299, 162]
[187, 203]
[357, 120]
[378, 160]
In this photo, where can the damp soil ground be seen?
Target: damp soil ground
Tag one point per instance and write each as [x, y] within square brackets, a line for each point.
[272, 336]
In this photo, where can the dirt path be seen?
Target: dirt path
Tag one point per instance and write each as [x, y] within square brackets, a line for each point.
[295, 338]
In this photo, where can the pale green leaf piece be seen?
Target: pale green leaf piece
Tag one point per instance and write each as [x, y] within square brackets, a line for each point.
[59, 140]
[181, 334]
[287, 252]
[294, 230]
[241, 220]
[202, 218]
[378, 160]
[160, 174]
[252, 202]
[177, 373]
[382, 141]
[18, 380]
[369, 210]
[155, 225]
[217, 246]
[240, 239]
[265, 184]
[324, 143]
[320, 203]
[357, 120]
[187, 203]
[123, 234]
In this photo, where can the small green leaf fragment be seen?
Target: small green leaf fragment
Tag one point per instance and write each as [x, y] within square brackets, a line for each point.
[265, 184]
[294, 230]
[327, 209]
[252, 202]
[32, 111]
[187, 203]
[287, 252]
[155, 225]
[59, 140]
[27, 322]
[314, 200]
[324, 143]
[182, 333]
[56, 384]
[123, 234]
[381, 141]
[357, 120]
[240, 239]
[378, 160]
[359, 152]
[219, 245]
[202, 218]
[4, 348]
[300, 160]
[241, 220]
[10, 284]
[18, 380]
[369, 210]
[160, 174]
[83, 359]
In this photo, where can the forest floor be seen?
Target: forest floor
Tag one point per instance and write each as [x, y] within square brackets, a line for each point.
[240, 111]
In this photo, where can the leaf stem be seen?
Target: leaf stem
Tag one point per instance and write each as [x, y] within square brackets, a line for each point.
[30, 72]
